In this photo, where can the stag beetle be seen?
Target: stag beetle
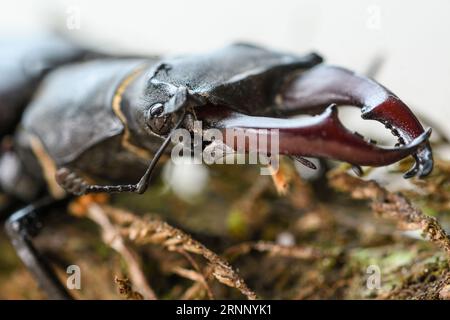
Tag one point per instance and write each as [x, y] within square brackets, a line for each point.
[109, 120]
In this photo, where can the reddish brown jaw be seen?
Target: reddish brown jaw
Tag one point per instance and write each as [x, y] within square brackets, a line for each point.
[320, 136]
[315, 89]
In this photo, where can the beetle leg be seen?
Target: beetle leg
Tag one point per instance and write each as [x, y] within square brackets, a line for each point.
[319, 136]
[70, 181]
[78, 186]
[21, 227]
[313, 90]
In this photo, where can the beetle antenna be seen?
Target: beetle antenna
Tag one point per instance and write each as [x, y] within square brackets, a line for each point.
[143, 183]
[140, 187]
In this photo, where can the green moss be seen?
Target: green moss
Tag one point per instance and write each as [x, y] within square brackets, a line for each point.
[236, 224]
[430, 211]
[387, 260]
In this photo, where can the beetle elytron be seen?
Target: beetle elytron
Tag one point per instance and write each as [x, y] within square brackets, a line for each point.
[80, 118]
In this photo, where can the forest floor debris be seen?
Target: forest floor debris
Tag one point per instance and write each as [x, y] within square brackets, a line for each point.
[302, 240]
[391, 205]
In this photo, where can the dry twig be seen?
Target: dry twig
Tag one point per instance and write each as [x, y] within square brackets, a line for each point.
[201, 278]
[151, 230]
[391, 205]
[126, 290]
[435, 190]
[273, 249]
[111, 235]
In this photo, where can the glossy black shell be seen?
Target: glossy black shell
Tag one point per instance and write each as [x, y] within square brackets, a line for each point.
[23, 63]
[241, 76]
[73, 109]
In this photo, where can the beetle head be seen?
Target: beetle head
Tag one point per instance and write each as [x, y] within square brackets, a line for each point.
[162, 106]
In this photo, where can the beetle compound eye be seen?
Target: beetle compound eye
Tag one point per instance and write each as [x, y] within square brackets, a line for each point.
[158, 123]
[156, 110]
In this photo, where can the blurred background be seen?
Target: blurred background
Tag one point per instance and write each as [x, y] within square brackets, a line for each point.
[228, 207]
[410, 36]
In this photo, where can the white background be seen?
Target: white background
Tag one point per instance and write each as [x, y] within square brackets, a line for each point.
[413, 36]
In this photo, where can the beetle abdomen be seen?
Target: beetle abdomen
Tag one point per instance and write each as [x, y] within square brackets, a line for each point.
[23, 63]
[72, 110]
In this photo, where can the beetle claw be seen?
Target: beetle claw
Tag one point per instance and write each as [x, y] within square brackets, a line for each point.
[305, 162]
[316, 88]
[422, 166]
[411, 172]
[357, 170]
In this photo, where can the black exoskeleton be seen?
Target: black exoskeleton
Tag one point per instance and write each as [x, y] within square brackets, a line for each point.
[101, 124]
